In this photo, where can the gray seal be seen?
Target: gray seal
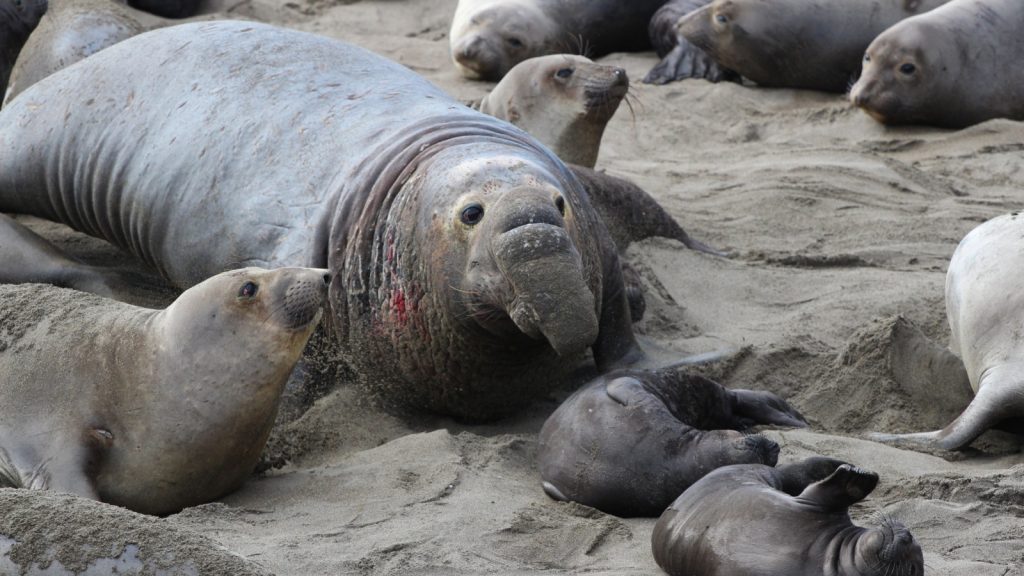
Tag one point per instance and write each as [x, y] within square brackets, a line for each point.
[153, 410]
[631, 441]
[680, 59]
[753, 520]
[17, 20]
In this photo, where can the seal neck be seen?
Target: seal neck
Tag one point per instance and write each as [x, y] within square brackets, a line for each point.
[841, 555]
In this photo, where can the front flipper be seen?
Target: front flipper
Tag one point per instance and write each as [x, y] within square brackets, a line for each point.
[688, 61]
[843, 488]
[760, 407]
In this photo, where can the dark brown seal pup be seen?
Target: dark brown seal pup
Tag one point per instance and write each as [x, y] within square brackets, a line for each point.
[679, 57]
[17, 20]
[948, 67]
[811, 44]
[631, 441]
[153, 410]
[754, 520]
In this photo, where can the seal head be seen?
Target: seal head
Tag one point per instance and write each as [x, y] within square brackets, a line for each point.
[489, 38]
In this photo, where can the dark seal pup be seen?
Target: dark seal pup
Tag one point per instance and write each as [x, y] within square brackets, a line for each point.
[470, 269]
[753, 520]
[679, 57]
[153, 410]
[631, 441]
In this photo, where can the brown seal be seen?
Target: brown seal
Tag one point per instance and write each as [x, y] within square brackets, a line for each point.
[680, 59]
[153, 410]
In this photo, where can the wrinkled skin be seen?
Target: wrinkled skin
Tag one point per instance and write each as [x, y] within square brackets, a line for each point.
[753, 520]
[910, 77]
[17, 20]
[679, 58]
[152, 410]
[631, 441]
[816, 44]
[564, 101]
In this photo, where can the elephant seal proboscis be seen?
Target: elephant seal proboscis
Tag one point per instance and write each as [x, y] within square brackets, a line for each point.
[489, 37]
[983, 303]
[679, 57]
[948, 67]
[153, 410]
[64, 535]
[815, 45]
[750, 519]
[631, 441]
[564, 101]
[17, 20]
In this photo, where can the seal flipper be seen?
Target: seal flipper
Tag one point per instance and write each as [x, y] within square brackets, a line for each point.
[9, 476]
[688, 61]
[843, 488]
[760, 407]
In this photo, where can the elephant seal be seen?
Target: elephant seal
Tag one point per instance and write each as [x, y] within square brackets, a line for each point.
[167, 8]
[70, 31]
[910, 77]
[17, 20]
[564, 101]
[471, 271]
[631, 441]
[794, 43]
[153, 410]
[679, 58]
[750, 519]
[74, 536]
[489, 37]
[982, 303]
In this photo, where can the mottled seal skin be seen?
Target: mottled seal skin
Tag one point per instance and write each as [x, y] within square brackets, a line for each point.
[73, 536]
[471, 271]
[983, 304]
[489, 37]
[153, 410]
[753, 520]
[17, 20]
[680, 59]
[70, 31]
[564, 101]
[948, 67]
[810, 44]
[631, 441]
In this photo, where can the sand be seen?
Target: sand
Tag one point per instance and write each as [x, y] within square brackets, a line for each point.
[841, 232]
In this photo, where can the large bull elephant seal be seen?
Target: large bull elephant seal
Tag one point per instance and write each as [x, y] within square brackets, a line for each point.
[983, 303]
[17, 20]
[470, 269]
[631, 441]
[794, 43]
[753, 520]
[153, 410]
[952, 67]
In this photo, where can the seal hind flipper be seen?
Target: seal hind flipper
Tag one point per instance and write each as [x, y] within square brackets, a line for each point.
[9, 477]
[843, 488]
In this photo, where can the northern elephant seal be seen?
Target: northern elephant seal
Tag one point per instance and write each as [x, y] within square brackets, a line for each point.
[679, 57]
[17, 20]
[153, 410]
[489, 37]
[816, 45]
[471, 271]
[564, 101]
[983, 303]
[753, 520]
[948, 67]
[72, 536]
[631, 441]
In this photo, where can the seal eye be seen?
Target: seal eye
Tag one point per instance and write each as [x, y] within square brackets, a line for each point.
[908, 69]
[867, 58]
[560, 204]
[248, 290]
[472, 214]
[721, 18]
[515, 42]
[564, 73]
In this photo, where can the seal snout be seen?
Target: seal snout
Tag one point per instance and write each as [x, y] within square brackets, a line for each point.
[304, 297]
[475, 56]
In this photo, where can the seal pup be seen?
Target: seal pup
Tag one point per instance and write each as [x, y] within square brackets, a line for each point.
[794, 43]
[679, 57]
[17, 20]
[562, 100]
[983, 305]
[754, 520]
[947, 68]
[153, 410]
[631, 441]
[489, 37]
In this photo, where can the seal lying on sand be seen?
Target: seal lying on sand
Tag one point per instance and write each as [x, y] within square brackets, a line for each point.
[983, 304]
[631, 441]
[17, 20]
[71, 535]
[489, 37]
[470, 269]
[679, 57]
[794, 43]
[564, 101]
[153, 410]
[748, 520]
[947, 67]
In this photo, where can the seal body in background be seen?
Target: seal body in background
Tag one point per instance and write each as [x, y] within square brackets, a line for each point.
[17, 20]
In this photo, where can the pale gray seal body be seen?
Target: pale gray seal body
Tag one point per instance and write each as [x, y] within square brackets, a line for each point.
[984, 304]
[811, 44]
[753, 520]
[153, 410]
[952, 67]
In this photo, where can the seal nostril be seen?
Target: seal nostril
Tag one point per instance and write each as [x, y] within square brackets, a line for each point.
[560, 204]
[327, 279]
